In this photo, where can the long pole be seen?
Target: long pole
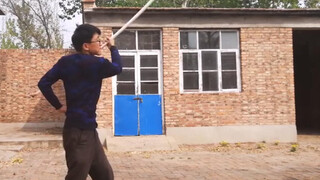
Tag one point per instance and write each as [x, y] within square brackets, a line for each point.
[132, 19]
[120, 30]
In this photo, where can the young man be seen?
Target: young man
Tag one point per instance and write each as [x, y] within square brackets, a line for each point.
[82, 75]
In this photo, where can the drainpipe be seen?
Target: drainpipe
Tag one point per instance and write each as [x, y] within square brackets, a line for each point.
[87, 4]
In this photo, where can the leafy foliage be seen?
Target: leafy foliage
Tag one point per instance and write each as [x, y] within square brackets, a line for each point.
[72, 7]
[9, 37]
[312, 3]
[32, 25]
[69, 8]
[204, 3]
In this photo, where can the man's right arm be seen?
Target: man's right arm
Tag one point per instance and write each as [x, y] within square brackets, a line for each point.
[109, 69]
[45, 84]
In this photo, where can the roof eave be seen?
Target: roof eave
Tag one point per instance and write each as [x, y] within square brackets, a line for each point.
[220, 11]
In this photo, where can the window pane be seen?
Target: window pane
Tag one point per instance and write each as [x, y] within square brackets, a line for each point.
[149, 61]
[149, 74]
[209, 60]
[126, 75]
[149, 88]
[209, 40]
[126, 40]
[190, 80]
[228, 60]
[127, 61]
[188, 40]
[229, 80]
[229, 40]
[149, 39]
[125, 88]
[190, 61]
[210, 81]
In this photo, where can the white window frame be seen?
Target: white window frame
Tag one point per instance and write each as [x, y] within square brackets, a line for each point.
[137, 53]
[200, 71]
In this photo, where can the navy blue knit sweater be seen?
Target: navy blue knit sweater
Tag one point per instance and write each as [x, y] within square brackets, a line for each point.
[82, 78]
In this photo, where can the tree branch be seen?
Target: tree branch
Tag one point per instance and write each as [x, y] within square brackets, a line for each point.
[43, 21]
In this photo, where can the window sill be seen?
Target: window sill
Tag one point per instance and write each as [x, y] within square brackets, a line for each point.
[210, 92]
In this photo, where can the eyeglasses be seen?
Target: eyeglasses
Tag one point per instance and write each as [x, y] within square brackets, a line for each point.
[97, 41]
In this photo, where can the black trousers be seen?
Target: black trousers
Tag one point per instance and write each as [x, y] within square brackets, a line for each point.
[85, 155]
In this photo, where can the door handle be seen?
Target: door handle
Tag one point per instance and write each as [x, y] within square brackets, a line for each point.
[139, 99]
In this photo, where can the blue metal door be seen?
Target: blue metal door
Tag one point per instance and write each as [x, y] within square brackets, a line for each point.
[126, 109]
[150, 115]
[138, 106]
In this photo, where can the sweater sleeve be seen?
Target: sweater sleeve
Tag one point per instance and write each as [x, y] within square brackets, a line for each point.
[109, 69]
[45, 86]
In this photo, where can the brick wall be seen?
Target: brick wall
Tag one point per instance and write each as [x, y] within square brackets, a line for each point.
[20, 71]
[267, 75]
[267, 95]
[104, 107]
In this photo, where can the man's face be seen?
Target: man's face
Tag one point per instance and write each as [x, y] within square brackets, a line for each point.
[93, 47]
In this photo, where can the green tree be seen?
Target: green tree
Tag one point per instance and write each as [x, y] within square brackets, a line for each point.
[72, 7]
[206, 3]
[312, 3]
[32, 24]
[8, 39]
[69, 8]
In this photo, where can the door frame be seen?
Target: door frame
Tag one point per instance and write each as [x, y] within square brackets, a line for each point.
[137, 54]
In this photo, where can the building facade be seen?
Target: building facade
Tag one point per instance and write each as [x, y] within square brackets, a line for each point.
[206, 75]
[197, 75]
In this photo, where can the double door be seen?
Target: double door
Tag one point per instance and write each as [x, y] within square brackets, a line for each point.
[138, 101]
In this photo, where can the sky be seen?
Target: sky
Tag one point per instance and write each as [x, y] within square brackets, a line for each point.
[67, 28]
[2, 23]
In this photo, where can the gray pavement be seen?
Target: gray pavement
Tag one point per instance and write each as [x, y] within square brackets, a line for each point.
[270, 160]
[140, 143]
[44, 135]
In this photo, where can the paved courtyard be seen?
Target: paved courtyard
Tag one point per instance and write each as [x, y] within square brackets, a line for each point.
[218, 161]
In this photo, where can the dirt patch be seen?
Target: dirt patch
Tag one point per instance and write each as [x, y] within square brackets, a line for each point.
[306, 143]
[47, 131]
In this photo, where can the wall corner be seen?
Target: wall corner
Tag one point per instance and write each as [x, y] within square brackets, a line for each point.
[87, 4]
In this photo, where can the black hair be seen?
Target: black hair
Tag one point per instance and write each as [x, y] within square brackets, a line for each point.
[83, 34]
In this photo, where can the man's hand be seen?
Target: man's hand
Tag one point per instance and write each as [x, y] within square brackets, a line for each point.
[63, 109]
[109, 43]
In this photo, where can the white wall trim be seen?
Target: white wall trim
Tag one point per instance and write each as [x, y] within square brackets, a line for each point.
[233, 134]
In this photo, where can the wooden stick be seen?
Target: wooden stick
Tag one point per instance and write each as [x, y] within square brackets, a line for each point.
[130, 21]
[118, 32]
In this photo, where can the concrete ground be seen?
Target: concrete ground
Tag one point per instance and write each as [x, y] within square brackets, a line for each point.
[265, 160]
